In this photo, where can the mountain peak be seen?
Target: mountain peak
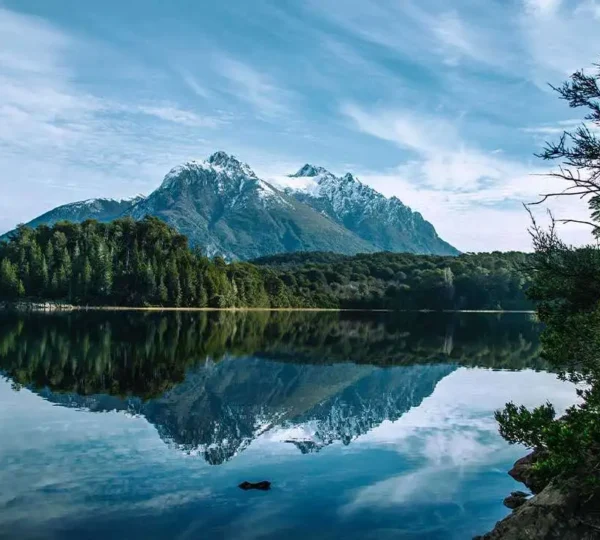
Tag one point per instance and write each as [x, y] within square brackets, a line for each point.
[223, 159]
[229, 162]
[309, 170]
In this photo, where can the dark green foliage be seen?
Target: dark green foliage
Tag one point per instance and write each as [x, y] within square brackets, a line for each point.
[147, 263]
[519, 425]
[405, 280]
[566, 287]
[128, 263]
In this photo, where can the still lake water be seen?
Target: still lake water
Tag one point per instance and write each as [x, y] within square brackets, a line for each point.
[142, 425]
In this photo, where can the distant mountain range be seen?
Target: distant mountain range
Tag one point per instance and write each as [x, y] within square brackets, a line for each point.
[222, 206]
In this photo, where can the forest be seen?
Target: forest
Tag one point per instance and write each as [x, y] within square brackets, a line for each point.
[147, 263]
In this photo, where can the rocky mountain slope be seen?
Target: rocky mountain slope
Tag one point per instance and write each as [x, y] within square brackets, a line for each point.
[388, 224]
[222, 206]
[98, 209]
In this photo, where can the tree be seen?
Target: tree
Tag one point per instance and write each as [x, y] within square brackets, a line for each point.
[579, 150]
[566, 288]
[10, 285]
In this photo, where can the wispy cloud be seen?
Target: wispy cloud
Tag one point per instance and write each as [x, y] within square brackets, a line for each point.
[253, 87]
[178, 116]
[558, 36]
[542, 7]
[193, 84]
[445, 160]
[456, 184]
[57, 135]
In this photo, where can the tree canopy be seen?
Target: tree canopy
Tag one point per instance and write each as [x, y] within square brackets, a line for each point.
[147, 263]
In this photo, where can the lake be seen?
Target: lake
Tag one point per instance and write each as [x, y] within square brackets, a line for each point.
[141, 425]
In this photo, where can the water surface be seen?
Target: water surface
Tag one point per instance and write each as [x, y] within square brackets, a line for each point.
[134, 425]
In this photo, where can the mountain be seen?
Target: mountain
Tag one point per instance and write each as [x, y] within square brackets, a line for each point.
[222, 206]
[220, 408]
[98, 209]
[388, 224]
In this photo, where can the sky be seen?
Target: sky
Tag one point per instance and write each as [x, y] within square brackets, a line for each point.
[440, 103]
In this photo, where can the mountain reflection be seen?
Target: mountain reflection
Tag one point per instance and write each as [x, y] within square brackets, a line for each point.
[212, 383]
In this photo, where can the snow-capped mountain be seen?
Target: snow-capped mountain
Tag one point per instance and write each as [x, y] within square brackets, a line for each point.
[222, 206]
[386, 223]
[100, 209]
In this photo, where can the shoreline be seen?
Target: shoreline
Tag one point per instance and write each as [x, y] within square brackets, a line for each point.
[53, 307]
[558, 509]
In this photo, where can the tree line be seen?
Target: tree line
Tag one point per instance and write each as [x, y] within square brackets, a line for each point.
[148, 263]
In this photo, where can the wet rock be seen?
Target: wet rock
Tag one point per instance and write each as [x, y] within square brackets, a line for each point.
[522, 471]
[515, 499]
[262, 486]
[562, 510]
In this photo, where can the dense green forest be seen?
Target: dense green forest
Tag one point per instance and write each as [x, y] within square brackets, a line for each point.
[147, 263]
[405, 280]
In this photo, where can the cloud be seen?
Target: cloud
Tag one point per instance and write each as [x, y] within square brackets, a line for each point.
[452, 34]
[425, 32]
[451, 434]
[253, 87]
[194, 85]
[178, 116]
[444, 160]
[560, 127]
[559, 37]
[542, 7]
[57, 136]
[469, 194]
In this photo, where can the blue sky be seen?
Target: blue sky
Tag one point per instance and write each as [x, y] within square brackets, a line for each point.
[440, 103]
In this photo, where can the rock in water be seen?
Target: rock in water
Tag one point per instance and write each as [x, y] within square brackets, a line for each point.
[523, 472]
[262, 486]
[515, 499]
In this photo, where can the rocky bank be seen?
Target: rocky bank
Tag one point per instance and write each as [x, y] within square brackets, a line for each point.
[557, 511]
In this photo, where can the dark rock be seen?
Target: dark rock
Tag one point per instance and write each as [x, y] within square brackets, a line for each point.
[523, 472]
[558, 512]
[515, 499]
[262, 486]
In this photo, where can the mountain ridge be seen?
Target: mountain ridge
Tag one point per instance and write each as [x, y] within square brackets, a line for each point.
[221, 205]
[386, 222]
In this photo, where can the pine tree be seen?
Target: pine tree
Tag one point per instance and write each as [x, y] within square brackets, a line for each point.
[10, 284]
[163, 292]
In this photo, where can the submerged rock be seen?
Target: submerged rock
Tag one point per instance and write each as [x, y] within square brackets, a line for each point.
[262, 486]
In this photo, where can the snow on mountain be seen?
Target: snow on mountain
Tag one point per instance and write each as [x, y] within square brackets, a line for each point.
[227, 174]
[99, 209]
[386, 222]
[221, 205]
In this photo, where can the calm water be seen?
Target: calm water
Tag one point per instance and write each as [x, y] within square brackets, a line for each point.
[142, 425]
